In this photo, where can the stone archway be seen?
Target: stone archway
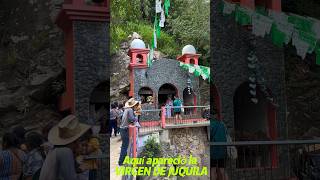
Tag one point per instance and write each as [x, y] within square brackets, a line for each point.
[164, 92]
[254, 121]
[98, 106]
[144, 93]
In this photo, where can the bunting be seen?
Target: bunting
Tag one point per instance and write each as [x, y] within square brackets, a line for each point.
[157, 25]
[261, 25]
[158, 6]
[197, 70]
[303, 32]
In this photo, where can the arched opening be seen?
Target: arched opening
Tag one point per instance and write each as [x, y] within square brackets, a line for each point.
[139, 58]
[99, 106]
[189, 99]
[146, 95]
[252, 122]
[165, 91]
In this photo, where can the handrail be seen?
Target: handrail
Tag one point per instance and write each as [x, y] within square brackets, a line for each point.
[190, 106]
[153, 110]
[277, 142]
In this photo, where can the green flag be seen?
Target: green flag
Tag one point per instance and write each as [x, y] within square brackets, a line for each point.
[310, 39]
[167, 6]
[157, 25]
[301, 23]
[278, 37]
[154, 38]
[243, 16]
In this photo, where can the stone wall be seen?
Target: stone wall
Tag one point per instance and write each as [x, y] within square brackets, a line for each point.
[192, 141]
[91, 51]
[230, 44]
[161, 72]
[230, 48]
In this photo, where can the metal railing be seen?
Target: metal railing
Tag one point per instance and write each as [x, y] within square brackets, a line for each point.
[152, 120]
[276, 160]
[180, 116]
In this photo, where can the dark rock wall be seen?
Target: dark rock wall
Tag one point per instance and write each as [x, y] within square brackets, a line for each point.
[91, 51]
[230, 45]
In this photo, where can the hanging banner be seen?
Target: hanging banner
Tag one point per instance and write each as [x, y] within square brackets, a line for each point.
[261, 25]
[301, 46]
[301, 23]
[158, 6]
[167, 6]
[243, 16]
[281, 25]
[154, 38]
[197, 70]
[162, 19]
[278, 37]
[287, 29]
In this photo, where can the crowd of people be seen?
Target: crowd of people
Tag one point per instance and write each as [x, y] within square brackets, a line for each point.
[58, 152]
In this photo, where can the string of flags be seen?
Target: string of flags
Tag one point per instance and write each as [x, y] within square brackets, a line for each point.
[303, 32]
[197, 70]
[256, 77]
[162, 10]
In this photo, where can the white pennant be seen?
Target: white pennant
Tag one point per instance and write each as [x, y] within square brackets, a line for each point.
[158, 6]
[261, 25]
[228, 8]
[301, 46]
[286, 29]
[162, 18]
[191, 69]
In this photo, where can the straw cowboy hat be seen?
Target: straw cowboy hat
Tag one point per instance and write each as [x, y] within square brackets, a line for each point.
[67, 131]
[130, 103]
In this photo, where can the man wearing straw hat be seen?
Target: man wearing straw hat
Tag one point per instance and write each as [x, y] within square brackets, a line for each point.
[128, 117]
[60, 162]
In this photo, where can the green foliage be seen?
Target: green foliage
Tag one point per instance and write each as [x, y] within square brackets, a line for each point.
[187, 23]
[151, 148]
[120, 33]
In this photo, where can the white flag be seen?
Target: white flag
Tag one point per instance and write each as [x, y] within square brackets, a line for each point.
[261, 25]
[162, 18]
[301, 46]
[228, 8]
[287, 29]
[158, 6]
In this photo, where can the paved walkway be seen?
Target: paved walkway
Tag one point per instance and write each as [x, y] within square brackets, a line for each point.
[115, 145]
